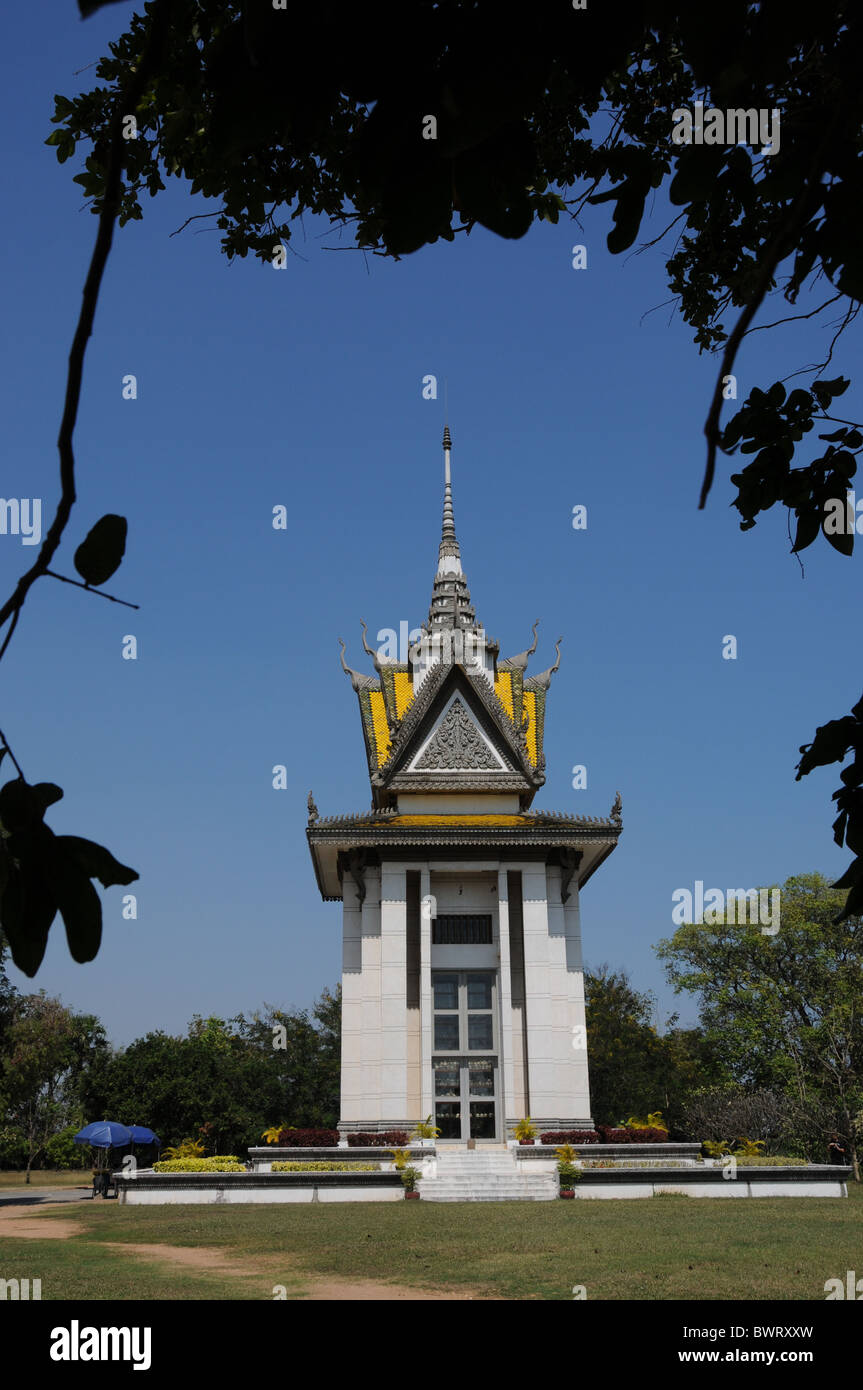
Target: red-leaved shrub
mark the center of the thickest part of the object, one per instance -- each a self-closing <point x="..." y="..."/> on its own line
<point x="649" y="1136"/>
<point x="612" y="1134"/>
<point x="569" y="1136"/>
<point x="395" y="1137"/>
<point x="308" y="1138"/>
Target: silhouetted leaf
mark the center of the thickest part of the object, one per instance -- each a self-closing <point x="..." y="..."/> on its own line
<point x="79" y="906"/>
<point x="101" y="552"/>
<point x="44" y="794"/>
<point x="27" y="909"/>
<point x="851" y="874"/>
<point x="96" y="861"/>
<point x="808" y="526"/>
<point x="843" y="541"/>
<point x="88" y="7"/>
<point x="830" y="744"/>
<point x="17" y="806"/>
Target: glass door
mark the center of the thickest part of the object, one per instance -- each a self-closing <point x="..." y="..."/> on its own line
<point x="464" y="1060"/>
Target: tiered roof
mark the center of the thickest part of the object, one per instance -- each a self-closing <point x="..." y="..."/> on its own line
<point x="506" y="705"/>
<point x="454" y="719"/>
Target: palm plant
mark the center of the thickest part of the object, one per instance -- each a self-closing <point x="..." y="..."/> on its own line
<point x="187" y="1148"/>
<point x="749" y="1148"/>
<point x="424" y="1129"/>
<point x="272" y="1134"/>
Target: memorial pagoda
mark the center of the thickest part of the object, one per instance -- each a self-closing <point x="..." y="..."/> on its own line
<point x="462" y="976"/>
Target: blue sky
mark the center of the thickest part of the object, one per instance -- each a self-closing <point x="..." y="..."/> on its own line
<point x="303" y="387"/>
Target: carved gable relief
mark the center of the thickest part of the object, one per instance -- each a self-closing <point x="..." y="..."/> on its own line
<point x="457" y="744"/>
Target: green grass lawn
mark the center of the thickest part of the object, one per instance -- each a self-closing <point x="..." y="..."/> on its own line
<point x="47" y="1177"/>
<point x="653" y="1248"/>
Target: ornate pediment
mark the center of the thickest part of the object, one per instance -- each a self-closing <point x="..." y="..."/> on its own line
<point x="457" y="744"/>
<point x="457" y="736"/>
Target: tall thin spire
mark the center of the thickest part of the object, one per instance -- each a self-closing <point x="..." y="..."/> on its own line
<point x="448" y="542"/>
<point x="450" y="605"/>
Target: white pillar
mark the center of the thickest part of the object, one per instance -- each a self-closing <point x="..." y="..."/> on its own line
<point x="426" y="1010"/>
<point x="350" y="1108"/>
<point x="541" y="1070"/>
<point x="393" y="1001"/>
<point x="370" y="1038"/>
<point x="577" y="1016"/>
<point x="507" y="1072"/>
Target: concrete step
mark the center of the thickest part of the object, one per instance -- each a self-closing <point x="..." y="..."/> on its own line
<point x="489" y="1196"/>
<point x="486" y="1177"/>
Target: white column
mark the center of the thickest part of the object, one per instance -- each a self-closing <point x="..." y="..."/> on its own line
<point x="393" y="1003"/>
<point x="350" y="1108"/>
<point x="541" y="1069"/>
<point x="426" y="1010"/>
<point x="507" y="1073"/>
<point x="577" y="1019"/>
<point x="370" y="1040"/>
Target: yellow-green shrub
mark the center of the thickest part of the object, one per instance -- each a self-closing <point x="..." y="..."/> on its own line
<point x="187" y="1148"/>
<point x="326" y="1167"/>
<point x="219" y="1163"/>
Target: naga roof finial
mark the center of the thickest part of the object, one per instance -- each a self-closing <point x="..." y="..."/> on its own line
<point x="358" y="680"/>
<point x="543" y="680"/>
<point x="370" y="651"/>
<point x="519" y="662"/>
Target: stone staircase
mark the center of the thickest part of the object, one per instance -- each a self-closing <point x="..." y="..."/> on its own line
<point x="483" y="1176"/>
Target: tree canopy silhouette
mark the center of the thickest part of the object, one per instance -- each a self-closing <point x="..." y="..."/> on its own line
<point x="407" y="125"/>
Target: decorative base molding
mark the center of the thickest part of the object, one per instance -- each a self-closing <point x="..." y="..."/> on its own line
<point x="346" y="1127"/>
<point x="544" y="1124"/>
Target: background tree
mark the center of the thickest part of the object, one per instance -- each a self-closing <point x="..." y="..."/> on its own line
<point x="46" y="1049"/>
<point x="780" y="1120"/>
<point x="225" y="1082"/>
<point x="634" y="1069"/>
<point x="276" y="112"/>
<point x="307" y="1070"/>
<point x="784" y="1011"/>
<point x="177" y="1085"/>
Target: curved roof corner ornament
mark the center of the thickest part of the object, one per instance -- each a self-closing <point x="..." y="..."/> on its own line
<point x="370" y="651"/>
<point x="519" y="662"/>
<point x="358" y="680"/>
<point x="543" y="680"/>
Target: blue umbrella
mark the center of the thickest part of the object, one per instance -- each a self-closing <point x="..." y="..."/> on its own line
<point x="104" y="1134"/>
<point x="141" y="1135"/>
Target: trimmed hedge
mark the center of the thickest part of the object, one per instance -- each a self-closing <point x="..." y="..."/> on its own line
<point x="219" y="1163"/>
<point x="387" y="1138"/>
<point x="605" y="1134"/>
<point x="627" y="1134"/>
<point x="569" y="1136"/>
<point x="308" y="1138"/>
<point x="326" y="1167"/>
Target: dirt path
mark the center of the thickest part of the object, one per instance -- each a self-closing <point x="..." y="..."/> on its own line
<point x="214" y="1260"/>
<point x="311" y="1287"/>
<point x="24" y="1223"/>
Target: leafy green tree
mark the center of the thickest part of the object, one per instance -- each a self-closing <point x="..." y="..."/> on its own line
<point x="177" y="1085"/>
<point x="226" y="1081"/>
<point x="634" y="1069"/>
<point x="784" y="1011"/>
<point x="46" y="1049"/>
<point x="304" y="1053"/>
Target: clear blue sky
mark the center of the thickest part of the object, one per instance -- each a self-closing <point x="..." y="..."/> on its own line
<point x="303" y="387"/>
